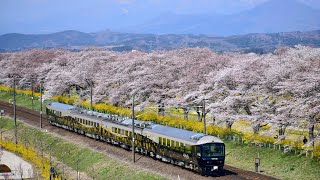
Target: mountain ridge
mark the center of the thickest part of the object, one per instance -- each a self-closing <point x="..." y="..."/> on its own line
<point x="71" y="39"/>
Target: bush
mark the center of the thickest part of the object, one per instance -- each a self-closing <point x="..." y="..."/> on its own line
<point x="29" y="154"/>
<point x="316" y="152"/>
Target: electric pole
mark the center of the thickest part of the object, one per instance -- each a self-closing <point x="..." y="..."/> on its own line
<point x="40" y="104"/>
<point x="133" y="153"/>
<point x="78" y="173"/>
<point x="32" y="89"/>
<point x="204" y="116"/>
<point x="91" y="84"/>
<point x="50" y="169"/>
<point x="14" y="110"/>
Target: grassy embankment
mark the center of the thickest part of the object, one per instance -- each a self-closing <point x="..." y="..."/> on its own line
<point x="273" y="163"/>
<point x="95" y="164"/>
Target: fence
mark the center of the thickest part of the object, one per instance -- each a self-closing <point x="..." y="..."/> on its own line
<point x="275" y="146"/>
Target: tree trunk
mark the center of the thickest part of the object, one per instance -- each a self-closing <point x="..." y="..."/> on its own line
<point x="161" y="109"/>
<point x="186" y="112"/>
<point x="282" y="129"/>
<point x="229" y="124"/>
<point x="256" y="128"/>
<point x="311" y="134"/>
<point x="199" y="114"/>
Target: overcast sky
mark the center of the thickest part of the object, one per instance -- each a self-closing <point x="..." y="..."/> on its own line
<point x="47" y="16"/>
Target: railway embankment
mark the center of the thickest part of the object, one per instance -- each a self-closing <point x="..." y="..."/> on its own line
<point x="70" y="159"/>
<point x="274" y="163"/>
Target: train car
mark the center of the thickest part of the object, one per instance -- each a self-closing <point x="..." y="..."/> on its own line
<point x="199" y="152"/>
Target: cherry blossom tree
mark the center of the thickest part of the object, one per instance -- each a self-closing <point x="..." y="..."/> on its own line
<point x="278" y="88"/>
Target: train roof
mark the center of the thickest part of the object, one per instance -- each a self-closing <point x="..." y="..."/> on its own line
<point x="190" y="136"/>
<point x="193" y="138"/>
<point x="61" y="106"/>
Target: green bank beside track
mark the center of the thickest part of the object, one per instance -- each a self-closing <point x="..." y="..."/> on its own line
<point x="94" y="164"/>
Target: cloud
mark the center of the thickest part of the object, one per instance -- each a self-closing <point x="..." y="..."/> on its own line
<point x="124" y="11"/>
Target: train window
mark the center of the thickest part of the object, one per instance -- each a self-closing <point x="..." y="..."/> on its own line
<point x="121" y="132"/>
<point x="127" y="133"/>
<point x="160" y="140"/>
<point x="98" y="124"/>
<point x="130" y="134"/>
<point x="172" y="143"/>
<point x="168" y="142"/>
<point x="164" y="141"/>
<point x="118" y="130"/>
<point x="182" y="146"/>
<point x="113" y="129"/>
<point x="177" y="144"/>
<point x="188" y="148"/>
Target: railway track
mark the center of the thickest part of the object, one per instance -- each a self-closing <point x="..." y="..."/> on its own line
<point x="168" y="170"/>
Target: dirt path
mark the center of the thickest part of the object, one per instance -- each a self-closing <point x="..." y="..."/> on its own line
<point x="168" y="170"/>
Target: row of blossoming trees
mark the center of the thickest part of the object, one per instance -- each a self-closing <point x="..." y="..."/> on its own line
<point x="280" y="88"/>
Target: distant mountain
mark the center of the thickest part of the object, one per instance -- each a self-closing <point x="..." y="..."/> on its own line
<point x="258" y="42"/>
<point x="16" y="41"/>
<point x="271" y="16"/>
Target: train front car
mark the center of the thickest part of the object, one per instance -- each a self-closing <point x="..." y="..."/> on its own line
<point x="210" y="155"/>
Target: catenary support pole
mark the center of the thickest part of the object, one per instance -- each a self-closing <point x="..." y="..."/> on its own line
<point x="32" y="89"/>
<point x="40" y="104"/>
<point x="14" y="110"/>
<point x="204" y="117"/>
<point x="133" y="148"/>
<point x="91" y="96"/>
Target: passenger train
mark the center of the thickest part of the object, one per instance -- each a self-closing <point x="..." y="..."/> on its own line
<point x="199" y="152"/>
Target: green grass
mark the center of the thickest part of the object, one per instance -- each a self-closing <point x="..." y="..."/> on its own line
<point x="6" y="123"/>
<point x="104" y="166"/>
<point x="24" y="100"/>
<point x="273" y="163"/>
